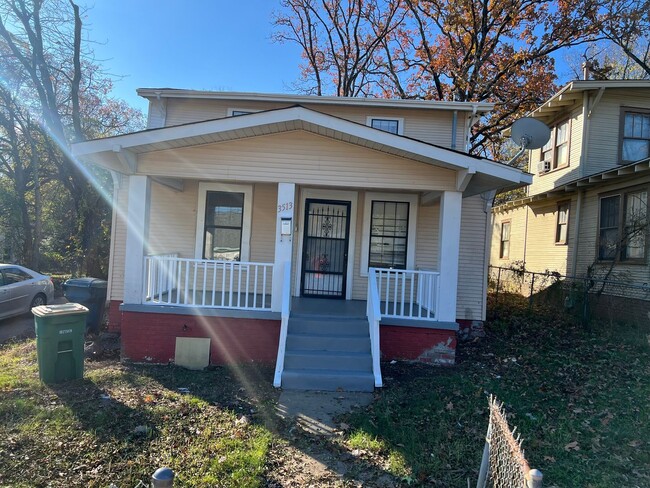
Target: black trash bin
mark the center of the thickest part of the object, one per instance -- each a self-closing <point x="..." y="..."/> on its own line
<point x="90" y="292"/>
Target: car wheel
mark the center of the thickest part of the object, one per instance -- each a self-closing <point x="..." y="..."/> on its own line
<point x="38" y="300"/>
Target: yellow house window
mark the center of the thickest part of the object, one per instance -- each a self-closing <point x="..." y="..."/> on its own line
<point x="562" y="227"/>
<point x="504" y="249"/>
<point x="556" y="151"/>
<point x="635" y="140"/>
<point x="623" y="226"/>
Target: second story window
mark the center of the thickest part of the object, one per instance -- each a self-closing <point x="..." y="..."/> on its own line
<point x="635" y="141"/>
<point x="394" y="126"/>
<point x="555" y="153"/>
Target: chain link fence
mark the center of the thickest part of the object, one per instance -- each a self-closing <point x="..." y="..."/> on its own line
<point x="504" y="464"/>
<point x="583" y="297"/>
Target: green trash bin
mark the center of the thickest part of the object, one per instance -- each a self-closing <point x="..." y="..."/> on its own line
<point x="91" y="293"/>
<point x="60" y="333"/>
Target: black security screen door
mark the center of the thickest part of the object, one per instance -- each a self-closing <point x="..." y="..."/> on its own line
<point x="325" y="248"/>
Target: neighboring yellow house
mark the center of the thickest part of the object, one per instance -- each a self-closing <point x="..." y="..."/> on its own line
<point x="286" y="229"/>
<point x="588" y="201"/>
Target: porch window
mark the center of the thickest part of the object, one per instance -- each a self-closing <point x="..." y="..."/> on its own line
<point x="224" y="222"/>
<point x="387" y="124"/>
<point x="389" y="234"/>
<point x="504" y="249"/>
<point x="224" y="213"/>
<point x="389" y="231"/>
<point x="561" y="230"/>
<point x="623" y="226"/>
<point x="635" y="141"/>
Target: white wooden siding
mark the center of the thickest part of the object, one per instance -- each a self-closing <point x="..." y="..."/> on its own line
<point x="299" y="157"/>
<point x="432" y="126"/>
<point x="472" y="260"/>
<point x="118" y="237"/>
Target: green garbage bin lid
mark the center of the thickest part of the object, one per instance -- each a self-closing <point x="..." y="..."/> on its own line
<point x="85" y="283"/>
<point x="63" y="309"/>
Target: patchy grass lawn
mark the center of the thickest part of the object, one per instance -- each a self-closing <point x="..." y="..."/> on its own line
<point x="580" y="400"/>
<point x="120" y="423"/>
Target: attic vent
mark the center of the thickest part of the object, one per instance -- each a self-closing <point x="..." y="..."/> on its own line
<point x="543" y="167"/>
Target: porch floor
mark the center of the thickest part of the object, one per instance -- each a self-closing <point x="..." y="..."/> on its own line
<point x="196" y="299"/>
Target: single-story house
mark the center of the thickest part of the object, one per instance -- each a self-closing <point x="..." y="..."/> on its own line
<point x="321" y="234"/>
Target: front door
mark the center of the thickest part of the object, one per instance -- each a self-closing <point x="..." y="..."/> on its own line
<point x="325" y="248"/>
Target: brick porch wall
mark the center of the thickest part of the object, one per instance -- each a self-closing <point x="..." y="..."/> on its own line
<point x="151" y="337"/>
<point x="114" y="316"/>
<point x="434" y="346"/>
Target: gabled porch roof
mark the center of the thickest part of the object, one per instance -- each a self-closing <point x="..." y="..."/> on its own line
<point x="475" y="174"/>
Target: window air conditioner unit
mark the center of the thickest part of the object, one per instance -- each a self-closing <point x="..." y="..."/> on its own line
<point x="543" y="167"/>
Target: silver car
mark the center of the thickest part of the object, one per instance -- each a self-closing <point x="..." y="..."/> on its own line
<point x="21" y="289"/>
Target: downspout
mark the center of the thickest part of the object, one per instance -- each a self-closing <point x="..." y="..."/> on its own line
<point x="574" y="258"/>
<point x="454" y="124"/>
<point x="488" y="199"/>
<point x="470" y="123"/>
<point x="526" y="235"/>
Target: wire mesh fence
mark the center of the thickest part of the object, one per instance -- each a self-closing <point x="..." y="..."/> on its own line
<point x="504" y="464"/>
<point x="582" y="297"/>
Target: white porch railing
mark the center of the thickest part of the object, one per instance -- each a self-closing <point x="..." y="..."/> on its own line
<point x="201" y="283"/>
<point x="284" y="326"/>
<point x="374" y="316"/>
<point x="408" y="294"/>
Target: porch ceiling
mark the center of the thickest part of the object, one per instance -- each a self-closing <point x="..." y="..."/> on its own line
<point x="120" y="153"/>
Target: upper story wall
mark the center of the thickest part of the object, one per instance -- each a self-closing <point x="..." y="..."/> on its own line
<point x="597" y="150"/>
<point x="427" y="125"/>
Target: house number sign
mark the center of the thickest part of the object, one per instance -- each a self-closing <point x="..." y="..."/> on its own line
<point x="283" y="207"/>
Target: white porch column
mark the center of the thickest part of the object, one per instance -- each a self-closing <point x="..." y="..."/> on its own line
<point x="449" y="249"/>
<point x="137" y="229"/>
<point x="283" y="243"/>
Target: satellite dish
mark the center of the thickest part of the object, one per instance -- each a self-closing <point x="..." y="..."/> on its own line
<point x="529" y="133"/>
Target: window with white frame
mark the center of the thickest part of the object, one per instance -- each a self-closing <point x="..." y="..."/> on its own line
<point x="504" y="248"/>
<point x="223" y="222"/>
<point x="623" y="226"/>
<point x="562" y="227"/>
<point x="387" y="124"/>
<point x="556" y="151"/>
<point x="389" y="231"/>
<point x="635" y="137"/>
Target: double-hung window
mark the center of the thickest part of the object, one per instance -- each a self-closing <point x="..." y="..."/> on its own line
<point x="389" y="225"/>
<point x="223" y="222"/>
<point x="504" y="248"/>
<point x="635" y="137"/>
<point x="389" y="231"/>
<point x="623" y="226"/>
<point x="556" y="151"/>
<point x="562" y="227"/>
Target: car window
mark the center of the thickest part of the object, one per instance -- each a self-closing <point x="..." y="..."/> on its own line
<point x="2" y="279"/>
<point x="15" y="275"/>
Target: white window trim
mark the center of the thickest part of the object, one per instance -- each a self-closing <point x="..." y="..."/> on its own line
<point x="235" y="109"/>
<point x="400" y="123"/>
<point x="247" y="190"/>
<point x="349" y="196"/>
<point x="412" y="200"/>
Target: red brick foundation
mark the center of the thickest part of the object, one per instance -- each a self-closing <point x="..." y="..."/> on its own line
<point x="434" y="346"/>
<point x="114" y="316"/>
<point x="469" y="329"/>
<point x="151" y="337"/>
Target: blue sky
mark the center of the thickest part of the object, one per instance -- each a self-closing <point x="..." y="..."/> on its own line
<point x="196" y="44"/>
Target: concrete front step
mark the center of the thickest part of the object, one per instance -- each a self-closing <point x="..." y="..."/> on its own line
<point x="338" y="327"/>
<point x="327" y="380"/>
<point x="328" y="360"/>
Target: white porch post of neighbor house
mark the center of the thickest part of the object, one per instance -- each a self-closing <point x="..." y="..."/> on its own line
<point x="449" y="248"/>
<point x="137" y="226"/>
<point x="283" y="239"/>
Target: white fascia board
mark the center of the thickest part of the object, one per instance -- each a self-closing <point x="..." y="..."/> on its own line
<point x="481" y="107"/>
